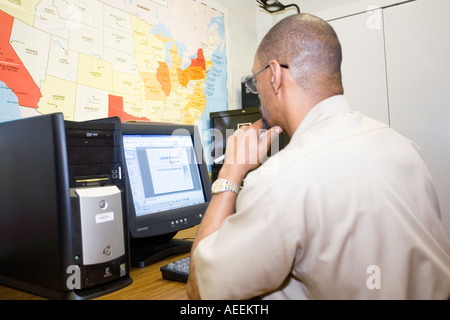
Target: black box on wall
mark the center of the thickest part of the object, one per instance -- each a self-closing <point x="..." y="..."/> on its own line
<point x="249" y="100"/>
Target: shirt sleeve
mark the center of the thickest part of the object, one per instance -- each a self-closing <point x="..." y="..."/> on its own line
<point x="253" y="252"/>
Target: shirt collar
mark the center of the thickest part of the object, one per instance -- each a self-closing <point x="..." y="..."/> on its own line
<point x="322" y="111"/>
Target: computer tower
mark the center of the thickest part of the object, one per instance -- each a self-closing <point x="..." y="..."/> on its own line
<point x="63" y="232"/>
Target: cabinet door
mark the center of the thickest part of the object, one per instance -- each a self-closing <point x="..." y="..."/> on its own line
<point x="418" y="65"/>
<point x="363" y="66"/>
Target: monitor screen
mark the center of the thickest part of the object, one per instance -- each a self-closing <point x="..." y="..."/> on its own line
<point x="169" y="186"/>
<point x="163" y="172"/>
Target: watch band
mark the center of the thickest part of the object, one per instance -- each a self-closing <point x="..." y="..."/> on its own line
<point x="230" y="186"/>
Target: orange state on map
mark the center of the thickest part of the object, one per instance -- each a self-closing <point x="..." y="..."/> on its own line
<point x="197" y="68"/>
<point x="195" y="71"/>
<point x="163" y="76"/>
<point x="183" y="77"/>
<point x="13" y="73"/>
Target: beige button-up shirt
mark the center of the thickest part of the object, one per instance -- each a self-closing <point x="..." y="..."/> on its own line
<point x="346" y="211"/>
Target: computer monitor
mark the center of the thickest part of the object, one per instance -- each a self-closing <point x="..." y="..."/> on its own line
<point x="169" y="187"/>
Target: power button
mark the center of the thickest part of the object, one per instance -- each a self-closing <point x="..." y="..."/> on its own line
<point x="103" y="204"/>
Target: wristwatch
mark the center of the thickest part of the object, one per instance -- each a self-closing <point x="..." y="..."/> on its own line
<point x="222" y="185"/>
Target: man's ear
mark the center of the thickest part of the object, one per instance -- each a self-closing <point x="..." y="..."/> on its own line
<point x="277" y="76"/>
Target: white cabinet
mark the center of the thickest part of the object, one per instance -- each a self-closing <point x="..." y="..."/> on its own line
<point x="398" y="72"/>
<point x="417" y="38"/>
<point x="363" y="64"/>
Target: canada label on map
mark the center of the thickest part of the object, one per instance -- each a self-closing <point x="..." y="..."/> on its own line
<point x="145" y="60"/>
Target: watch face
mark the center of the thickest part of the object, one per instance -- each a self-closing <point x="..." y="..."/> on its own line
<point x="217" y="186"/>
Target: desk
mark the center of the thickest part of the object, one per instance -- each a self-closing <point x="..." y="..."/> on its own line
<point x="147" y="283"/>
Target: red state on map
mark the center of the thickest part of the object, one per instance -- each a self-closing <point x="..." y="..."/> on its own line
<point x="116" y="110"/>
<point x="200" y="60"/>
<point x="13" y="73"/>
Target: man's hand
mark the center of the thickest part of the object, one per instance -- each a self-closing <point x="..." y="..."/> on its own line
<point x="246" y="149"/>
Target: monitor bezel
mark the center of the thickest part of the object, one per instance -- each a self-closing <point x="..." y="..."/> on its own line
<point x="167" y="222"/>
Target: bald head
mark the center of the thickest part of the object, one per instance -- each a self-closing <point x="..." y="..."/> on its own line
<point x="312" y="50"/>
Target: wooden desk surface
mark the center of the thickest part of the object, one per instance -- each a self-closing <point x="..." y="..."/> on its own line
<point x="148" y="283"/>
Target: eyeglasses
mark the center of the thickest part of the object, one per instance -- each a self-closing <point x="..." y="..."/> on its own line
<point x="250" y="82"/>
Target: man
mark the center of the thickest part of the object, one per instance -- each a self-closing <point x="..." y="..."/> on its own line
<point x="346" y="211"/>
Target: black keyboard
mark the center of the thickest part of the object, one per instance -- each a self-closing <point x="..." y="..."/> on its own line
<point x="176" y="271"/>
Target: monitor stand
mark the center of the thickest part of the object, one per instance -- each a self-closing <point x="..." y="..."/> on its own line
<point x="145" y="252"/>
